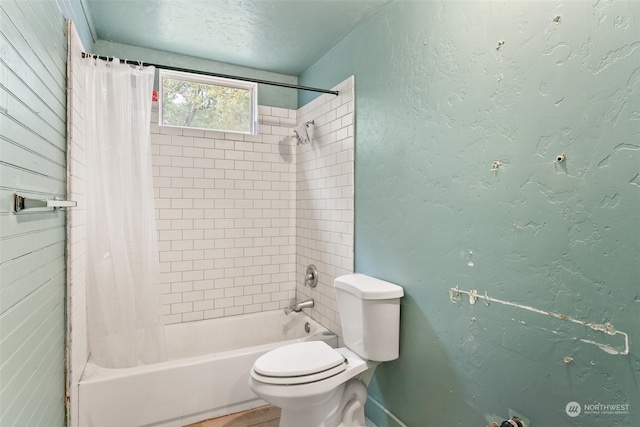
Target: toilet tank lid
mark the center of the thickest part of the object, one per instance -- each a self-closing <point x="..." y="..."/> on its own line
<point x="367" y="287"/>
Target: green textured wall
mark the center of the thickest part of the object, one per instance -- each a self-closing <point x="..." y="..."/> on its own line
<point x="438" y="99"/>
<point x="272" y="96"/>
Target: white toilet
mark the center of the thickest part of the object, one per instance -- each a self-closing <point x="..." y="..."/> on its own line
<point x="316" y="385"/>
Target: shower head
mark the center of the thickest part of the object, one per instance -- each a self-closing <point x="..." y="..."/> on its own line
<point x="302" y="136"/>
<point x="302" y="132"/>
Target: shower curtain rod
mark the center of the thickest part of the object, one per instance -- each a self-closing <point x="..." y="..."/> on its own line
<point x="207" y="73"/>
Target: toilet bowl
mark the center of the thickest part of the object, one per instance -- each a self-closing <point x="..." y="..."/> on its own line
<point x="312" y="383"/>
<point x="317" y="385"/>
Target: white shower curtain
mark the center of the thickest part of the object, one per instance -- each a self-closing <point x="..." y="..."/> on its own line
<point x="123" y="308"/>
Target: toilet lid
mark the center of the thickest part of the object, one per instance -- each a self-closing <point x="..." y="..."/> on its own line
<point x="300" y="359"/>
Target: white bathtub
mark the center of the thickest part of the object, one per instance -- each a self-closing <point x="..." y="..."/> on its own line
<point x="206" y="376"/>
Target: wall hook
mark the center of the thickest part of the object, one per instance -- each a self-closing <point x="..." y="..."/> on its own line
<point x="473" y="296"/>
<point x="561" y="158"/>
<point x="455" y="295"/>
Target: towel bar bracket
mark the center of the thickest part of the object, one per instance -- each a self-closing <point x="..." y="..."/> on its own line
<point x="21" y="203"/>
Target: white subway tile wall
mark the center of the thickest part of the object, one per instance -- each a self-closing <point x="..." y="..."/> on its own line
<point x="324" y="199"/>
<point x="226" y="218"/>
<point x="240" y="217"/>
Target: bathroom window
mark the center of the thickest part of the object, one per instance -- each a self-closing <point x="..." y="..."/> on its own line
<point x="210" y="103"/>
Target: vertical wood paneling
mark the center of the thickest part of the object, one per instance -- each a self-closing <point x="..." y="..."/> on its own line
<point x="32" y="260"/>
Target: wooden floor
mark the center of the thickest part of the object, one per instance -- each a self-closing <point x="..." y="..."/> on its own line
<point x="264" y="416"/>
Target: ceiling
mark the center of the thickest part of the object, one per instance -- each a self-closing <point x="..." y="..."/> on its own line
<point x="275" y="35"/>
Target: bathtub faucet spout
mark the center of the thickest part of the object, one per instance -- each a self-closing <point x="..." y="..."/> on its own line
<point x="298" y="306"/>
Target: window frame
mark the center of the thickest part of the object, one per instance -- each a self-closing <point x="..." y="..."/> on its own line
<point x="252" y="87"/>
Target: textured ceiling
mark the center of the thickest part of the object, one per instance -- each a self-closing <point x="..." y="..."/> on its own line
<point x="280" y="36"/>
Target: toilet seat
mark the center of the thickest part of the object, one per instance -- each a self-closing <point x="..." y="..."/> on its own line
<point x="299" y="363"/>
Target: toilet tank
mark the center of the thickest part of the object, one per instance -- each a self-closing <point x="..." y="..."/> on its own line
<point x="370" y="316"/>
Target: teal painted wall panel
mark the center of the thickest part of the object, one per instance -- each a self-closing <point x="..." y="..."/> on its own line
<point x="30" y="105"/>
<point x="438" y="99"/>
<point x="33" y="364"/>
<point x="23" y="64"/>
<point x="18" y="290"/>
<point x="32" y="259"/>
<point x="79" y="12"/>
<point x="31" y="159"/>
<point x="45" y="58"/>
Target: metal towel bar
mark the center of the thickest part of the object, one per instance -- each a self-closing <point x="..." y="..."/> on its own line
<point x="21" y="203"/>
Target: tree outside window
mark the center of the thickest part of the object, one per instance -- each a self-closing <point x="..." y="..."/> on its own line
<point x="212" y="103"/>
